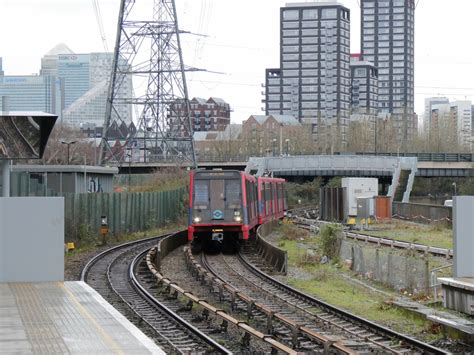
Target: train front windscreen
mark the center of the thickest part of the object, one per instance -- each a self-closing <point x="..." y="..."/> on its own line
<point x="217" y="197"/>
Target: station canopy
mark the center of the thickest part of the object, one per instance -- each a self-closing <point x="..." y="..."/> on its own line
<point x="24" y="134"/>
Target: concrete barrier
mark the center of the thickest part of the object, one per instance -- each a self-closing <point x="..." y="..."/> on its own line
<point x="422" y="213"/>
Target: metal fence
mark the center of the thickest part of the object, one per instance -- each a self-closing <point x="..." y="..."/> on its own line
<point x="126" y="212"/>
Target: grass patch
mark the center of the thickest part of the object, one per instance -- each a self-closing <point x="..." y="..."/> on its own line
<point x="93" y="244"/>
<point x="435" y="235"/>
<point x="327" y="282"/>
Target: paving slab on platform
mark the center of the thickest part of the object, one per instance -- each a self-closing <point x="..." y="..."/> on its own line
<point x="65" y="318"/>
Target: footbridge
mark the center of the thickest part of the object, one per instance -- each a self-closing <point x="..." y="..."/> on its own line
<point x="402" y="170"/>
<point x="429" y="165"/>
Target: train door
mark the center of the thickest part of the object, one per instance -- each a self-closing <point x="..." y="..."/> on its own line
<point x="217" y="199"/>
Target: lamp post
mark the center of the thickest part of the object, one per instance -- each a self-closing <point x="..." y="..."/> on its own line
<point x="287" y="141"/>
<point x="454" y="185"/>
<point x="68" y="145"/>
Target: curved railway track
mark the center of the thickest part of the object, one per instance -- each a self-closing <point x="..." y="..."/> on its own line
<point x="113" y="274"/>
<point x="312" y="224"/>
<point x="301" y="319"/>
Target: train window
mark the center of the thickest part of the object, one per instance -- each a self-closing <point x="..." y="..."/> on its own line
<point x="217" y="194"/>
<point x="201" y="194"/>
<point x="233" y="193"/>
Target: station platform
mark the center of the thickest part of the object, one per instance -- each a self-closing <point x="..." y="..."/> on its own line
<point x="65" y="318"/>
<point x="458" y="293"/>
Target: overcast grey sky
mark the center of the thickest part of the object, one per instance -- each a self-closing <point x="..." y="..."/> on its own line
<point x="242" y="40"/>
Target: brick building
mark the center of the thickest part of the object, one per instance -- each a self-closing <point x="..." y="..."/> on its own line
<point x="206" y="115"/>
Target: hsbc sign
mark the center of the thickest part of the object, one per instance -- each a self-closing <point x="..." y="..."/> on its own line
<point x="67" y="57"/>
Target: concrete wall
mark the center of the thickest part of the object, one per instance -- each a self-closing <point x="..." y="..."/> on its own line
<point x="31" y="239"/>
<point x="421" y="213"/>
<point x="390" y="267"/>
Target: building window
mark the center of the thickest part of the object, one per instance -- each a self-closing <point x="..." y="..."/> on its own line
<point x="289" y="33"/>
<point x="309" y="32"/>
<point x="291" y="40"/>
<point x="291" y="24"/>
<point x="360" y="72"/>
<point x="329" y="13"/>
<point x="289" y="49"/>
<point x="291" y="14"/>
<point x="291" y="65"/>
<point x="291" y="57"/>
<point x="306" y="24"/>
<point x="290" y="72"/>
<point x="309" y="40"/>
<point x="310" y="64"/>
<point x="310" y="14"/>
<point x="309" y="48"/>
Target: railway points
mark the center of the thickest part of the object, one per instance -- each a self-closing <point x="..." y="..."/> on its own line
<point x="69" y="317"/>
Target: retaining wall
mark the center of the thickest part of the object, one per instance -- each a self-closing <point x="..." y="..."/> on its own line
<point x="422" y="213"/>
<point x="390" y="267"/>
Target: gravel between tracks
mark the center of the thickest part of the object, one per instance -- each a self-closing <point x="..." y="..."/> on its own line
<point x="174" y="267"/>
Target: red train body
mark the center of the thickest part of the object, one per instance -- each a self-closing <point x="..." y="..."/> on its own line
<point x="225" y="206"/>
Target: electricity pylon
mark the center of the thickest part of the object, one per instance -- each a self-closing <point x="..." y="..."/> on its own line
<point x="148" y="51"/>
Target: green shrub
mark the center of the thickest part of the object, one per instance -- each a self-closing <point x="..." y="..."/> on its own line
<point x="330" y="239"/>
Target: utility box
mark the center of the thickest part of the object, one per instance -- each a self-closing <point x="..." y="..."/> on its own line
<point x="463" y="232"/>
<point x="383" y="207"/>
<point x="358" y="188"/>
<point x="365" y="207"/>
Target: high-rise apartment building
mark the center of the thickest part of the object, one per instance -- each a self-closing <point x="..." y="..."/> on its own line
<point x="1" y="67"/>
<point x="454" y="118"/>
<point x="387" y="40"/>
<point x="312" y="83"/>
<point x="364" y="89"/>
<point x="429" y="103"/>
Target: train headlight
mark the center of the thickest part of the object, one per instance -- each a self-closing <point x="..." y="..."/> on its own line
<point x="197" y="219"/>
<point x="237" y="217"/>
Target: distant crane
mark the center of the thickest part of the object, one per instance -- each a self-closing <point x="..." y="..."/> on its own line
<point x="148" y="51"/>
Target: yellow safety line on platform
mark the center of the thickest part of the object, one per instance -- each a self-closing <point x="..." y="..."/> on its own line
<point x="104" y="335"/>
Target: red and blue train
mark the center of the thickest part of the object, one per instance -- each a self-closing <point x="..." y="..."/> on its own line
<point x="226" y="207"/>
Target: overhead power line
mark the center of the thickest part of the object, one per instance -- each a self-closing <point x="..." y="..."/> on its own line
<point x="100" y="24"/>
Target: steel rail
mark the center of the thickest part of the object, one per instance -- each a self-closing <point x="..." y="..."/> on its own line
<point x="167" y="341"/>
<point x="91" y="262"/>
<point x="217" y="311"/>
<point x="389" y="242"/>
<point x="150" y="298"/>
<point x="379" y="329"/>
<point x="321" y="339"/>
